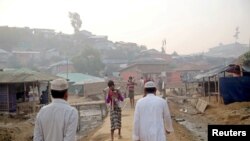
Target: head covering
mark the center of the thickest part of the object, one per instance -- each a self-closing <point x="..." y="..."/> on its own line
<point x="59" y="84"/>
<point x="150" y="84"/>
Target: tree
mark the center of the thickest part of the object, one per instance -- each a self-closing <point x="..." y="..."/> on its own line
<point x="175" y="53"/>
<point x="89" y="61"/>
<point x="76" y="21"/>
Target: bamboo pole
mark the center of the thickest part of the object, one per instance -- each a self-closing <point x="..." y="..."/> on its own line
<point x="102" y="115"/>
<point x="8" y="99"/>
<point x="215" y="88"/>
<point x="33" y="96"/>
<point x="241" y="71"/>
<point x="83" y="91"/>
<point x="203" y="86"/>
<point x="49" y="93"/>
<point x="186" y="88"/>
<point x="38" y="89"/>
<point x="209" y="94"/>
<point x="79" y="117"/>
<point x="219" y="91"/>
<point x="24" y="88"/>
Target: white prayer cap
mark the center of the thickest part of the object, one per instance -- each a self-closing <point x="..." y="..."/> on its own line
<point x="150" y="84"/>
<point x="59" y="84"/>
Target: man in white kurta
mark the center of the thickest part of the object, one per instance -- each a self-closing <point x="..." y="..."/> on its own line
<point x="58" y="120"/>
<point x="152" y="118"/>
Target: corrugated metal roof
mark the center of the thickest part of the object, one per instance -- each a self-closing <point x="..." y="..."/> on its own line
<point x="3" y="51"/>
<point x="150" y="61"/>
<point x="211" y="72"/>
<point x="64" y="62"/>
<point x="80" y="79"/>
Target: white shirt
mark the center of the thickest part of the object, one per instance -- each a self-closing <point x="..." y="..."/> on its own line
<point x="151" y="119"/>
<point x="56" y="122"/>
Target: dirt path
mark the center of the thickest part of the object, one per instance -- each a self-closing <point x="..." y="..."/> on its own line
<point x="235" y="113"/>
<point x="103" y="133"/>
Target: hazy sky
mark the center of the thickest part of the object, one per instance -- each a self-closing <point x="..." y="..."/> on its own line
<point x="188" y="25"/>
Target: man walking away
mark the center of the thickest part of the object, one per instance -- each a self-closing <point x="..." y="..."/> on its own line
<point x="152" y="119"/>
<point x="58" y="120"/>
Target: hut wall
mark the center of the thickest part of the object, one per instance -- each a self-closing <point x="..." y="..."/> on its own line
<point x="212" y="87"/>
<point x="235" y="89"/>
<point x="94" y="88"/>
<point x="4" y="98"/>
<point x="12" y="98"/>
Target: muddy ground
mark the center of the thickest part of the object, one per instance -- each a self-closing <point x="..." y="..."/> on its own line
<point x="189" y="124"/>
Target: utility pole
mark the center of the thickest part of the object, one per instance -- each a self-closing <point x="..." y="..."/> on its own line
<point x="163" y="48"/>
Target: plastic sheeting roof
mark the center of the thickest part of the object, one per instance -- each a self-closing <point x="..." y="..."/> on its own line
<point x="80" y="79"/>
<point x="24" y="75"/>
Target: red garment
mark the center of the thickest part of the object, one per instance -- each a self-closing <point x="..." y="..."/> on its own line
<point x="131" y="85"/>
<point x="113" y="94"/>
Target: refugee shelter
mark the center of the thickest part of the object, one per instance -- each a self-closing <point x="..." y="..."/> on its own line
<point x="231" y="83"/>
<point x="22" y="87"/>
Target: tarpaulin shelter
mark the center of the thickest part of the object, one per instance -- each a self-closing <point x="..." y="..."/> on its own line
<point x="235" y="89"/>
<point x="209" y="80"/>
<point x="212" y="80"/>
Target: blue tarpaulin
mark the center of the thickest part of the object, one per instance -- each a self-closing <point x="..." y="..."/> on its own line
<point x="235" y="89"/>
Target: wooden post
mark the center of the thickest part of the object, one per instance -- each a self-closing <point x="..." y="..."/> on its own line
<point x="33" y="101"/>
<point x="186" y="88"/>
<point x="209" y="94"/>
<point x="79" y="117"/>
<point x="215" y="88"/>
<point x="102" y="116"/>
<point x="49" y="93"/>
<point x="203" y="86"/>
<point x="8" y="99"/>
<point x="24" y="88"/>
<point x="38" y="88"/>
<point x="220" y="98"/>
<point x="241" y="70"/>
<point x="83" y="91"/>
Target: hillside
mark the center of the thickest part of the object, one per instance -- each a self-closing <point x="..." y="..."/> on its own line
<point x="233" y="50"/>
